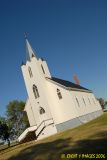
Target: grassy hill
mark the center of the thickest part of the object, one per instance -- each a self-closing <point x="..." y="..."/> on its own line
<point x="88" y="138"/>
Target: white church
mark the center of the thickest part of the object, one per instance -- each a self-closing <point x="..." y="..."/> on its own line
<point x="53" y="104"/>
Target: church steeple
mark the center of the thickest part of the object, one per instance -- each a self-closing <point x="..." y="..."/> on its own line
<point x="29" y="50"/>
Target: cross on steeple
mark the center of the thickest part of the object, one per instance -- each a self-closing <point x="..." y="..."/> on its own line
<point x="25" y="34"/>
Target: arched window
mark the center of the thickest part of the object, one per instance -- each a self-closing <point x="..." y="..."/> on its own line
<point x="41" y="111"/>
<point x="77" y="102"/>
<point x="30" y="72"/>
<point x="84" y="101"/>
<point x="59" y="94"/>
<point x="89" y="100"/>
<point x="42" y="69"/>
<point x="35" y="91"/>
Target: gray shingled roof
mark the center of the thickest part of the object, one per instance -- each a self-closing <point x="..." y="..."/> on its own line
<point x="69" y="84"/>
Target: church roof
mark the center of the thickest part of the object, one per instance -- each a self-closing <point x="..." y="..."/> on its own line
<point x="69" y="85"/>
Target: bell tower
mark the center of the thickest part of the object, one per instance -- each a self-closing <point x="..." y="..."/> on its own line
<point x="35" y="71"/>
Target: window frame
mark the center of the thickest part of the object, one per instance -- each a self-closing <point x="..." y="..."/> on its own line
<point x="30" y="72"/>
<point x="89" y="100"/>
<point x="59" y="93"/>
<point x="77" y="102"/>
<point x="41" y="110"/>
<point x="42" y="69"/>
<point x="84" y="101"/>
<point x="35" y="91"/>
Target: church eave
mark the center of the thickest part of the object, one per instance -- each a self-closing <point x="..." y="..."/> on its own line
<point x="81" y="90"/>
<point x="68" y="88"/>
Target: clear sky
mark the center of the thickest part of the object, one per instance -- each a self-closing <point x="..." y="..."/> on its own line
<point x="70" y="34"/>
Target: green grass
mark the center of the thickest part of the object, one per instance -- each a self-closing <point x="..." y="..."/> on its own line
<point x="88" y="138"/>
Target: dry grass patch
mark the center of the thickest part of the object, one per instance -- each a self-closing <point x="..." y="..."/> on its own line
<point x="88" y="138"/>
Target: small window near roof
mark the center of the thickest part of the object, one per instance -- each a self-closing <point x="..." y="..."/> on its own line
<point x="30" y="72"/>
<point x="59" y="94"/>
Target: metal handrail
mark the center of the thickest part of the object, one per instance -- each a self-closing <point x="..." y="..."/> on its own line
<point x="39" y="126"/>
<point x="43" y="122"/>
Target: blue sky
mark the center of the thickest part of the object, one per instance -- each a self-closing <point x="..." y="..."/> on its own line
<point x="70" y="34"/>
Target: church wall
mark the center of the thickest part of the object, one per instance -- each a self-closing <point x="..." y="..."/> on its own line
<point x="30" y="114"/>
<point x="78" y="121"/>
<point x="67" y="110"/>
<point x="61" y="109"/>
<point x="39" y="80"/>
<point x="88" y="105"/>
<point x="73" y="109"/>
<point x="41" y="83"/>
<point x="64" y="110"/>
<point x="29" y="89"/>
<point x="46" y="72"/>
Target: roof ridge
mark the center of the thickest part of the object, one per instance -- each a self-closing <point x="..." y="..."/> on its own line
<point x="69" y="84"/>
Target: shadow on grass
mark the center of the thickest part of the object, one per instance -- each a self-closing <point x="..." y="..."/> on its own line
<point x="48" y="151"/>
<point x="95" y="144"/>
<point x="53" y="150"/>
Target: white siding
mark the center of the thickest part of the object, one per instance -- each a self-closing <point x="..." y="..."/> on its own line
<point x="62" y="109"/>
<point x="39" y="80"/>
<point x="91" y="106"/>
<point x="67" y="108"/>
<point x="30" y="114"/>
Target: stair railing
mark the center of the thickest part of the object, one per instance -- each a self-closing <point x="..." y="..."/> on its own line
<point x="44" y="125"/>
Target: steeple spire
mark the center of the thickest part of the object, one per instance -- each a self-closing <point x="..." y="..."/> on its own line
<point x="29" y="50"/>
